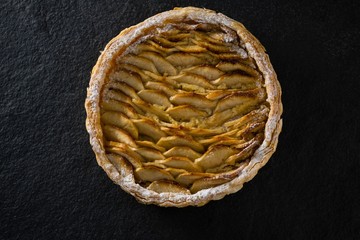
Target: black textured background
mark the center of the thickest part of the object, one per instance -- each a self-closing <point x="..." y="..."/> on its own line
<point x="52" y="188"/>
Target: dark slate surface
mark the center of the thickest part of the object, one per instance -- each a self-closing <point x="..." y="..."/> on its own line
<point x="52" y="188"/>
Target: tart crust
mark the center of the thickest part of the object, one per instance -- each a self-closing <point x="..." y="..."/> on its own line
<point x="121" y="171"/>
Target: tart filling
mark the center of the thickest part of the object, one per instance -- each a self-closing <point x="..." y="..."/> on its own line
<point x="183" y="109"/>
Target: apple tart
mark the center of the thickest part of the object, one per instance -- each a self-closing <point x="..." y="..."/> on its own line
<point x="183" y="108"/>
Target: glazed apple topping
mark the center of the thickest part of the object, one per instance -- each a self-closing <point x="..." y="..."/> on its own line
<point x="185" y="107"/>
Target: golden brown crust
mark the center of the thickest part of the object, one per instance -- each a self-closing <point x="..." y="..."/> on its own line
<point x="124" y="176"/>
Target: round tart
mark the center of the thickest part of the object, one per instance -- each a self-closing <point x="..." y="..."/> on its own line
<point x="183" y="108"/>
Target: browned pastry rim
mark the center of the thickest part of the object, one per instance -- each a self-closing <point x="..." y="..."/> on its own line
<point x="123" y="173"/>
